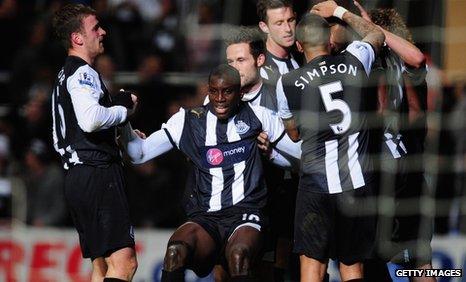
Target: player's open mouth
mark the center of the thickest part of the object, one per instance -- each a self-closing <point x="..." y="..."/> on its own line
<point x="221" y="109"/>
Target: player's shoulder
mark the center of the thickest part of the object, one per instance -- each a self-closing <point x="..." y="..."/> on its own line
<point x="81" y="73"/>
<point x="292" y="75"/>
<point x="261" y="111"/>
<point x="197" y="112"/>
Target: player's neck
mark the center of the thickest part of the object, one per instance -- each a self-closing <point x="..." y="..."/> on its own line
<point x="277" y="50"/>
<point x="252" y="88"/>
<point x="314" y="52"/>
<point x="83" y="55"/>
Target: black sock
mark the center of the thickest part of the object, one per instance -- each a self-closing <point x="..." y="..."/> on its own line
<point x="173" y="276"/>
<point x="278" y="274"/>
<point x="326" y="277"/>
<point x="243" y="278"/>
<point x="109" y="279"/>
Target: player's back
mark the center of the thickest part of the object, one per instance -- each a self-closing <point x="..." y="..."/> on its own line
<point x="330" y="102"/>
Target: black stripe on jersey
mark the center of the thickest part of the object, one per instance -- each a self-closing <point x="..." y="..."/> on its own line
<point x="228" y="171"/>
<point x="289" y="65"/>
<point x="170" y="138"/>
<point x="343" y="169"/>
<point x="278" y="139"/>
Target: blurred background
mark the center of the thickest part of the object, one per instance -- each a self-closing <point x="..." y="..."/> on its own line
<point x="163" y="50"/>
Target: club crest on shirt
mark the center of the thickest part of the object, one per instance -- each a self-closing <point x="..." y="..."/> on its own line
<point x="241" y="127"/>
<point x="87" y="79"/>
<point x="214" y="156"/>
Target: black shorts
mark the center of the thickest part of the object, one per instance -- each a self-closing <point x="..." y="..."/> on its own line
<point x="404" y="236"/>
<point x="412" y="232"/>
<point x="337" y="226"/>
<point x="97" y="202"/>
<point x="223" y="223"/>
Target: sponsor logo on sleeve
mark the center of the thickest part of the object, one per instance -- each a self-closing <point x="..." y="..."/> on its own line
<point x="86" y="79"/>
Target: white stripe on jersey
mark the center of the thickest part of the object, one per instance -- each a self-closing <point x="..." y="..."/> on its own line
<point x="215" y="202"/>
<point x="237" y="188"/>
<point x="283" y="67"/>
<point x="331" y="167"/>
<point x="61" y="151"/>
<point x="353" y="163"/>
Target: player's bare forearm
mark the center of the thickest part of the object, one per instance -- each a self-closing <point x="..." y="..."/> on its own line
<point x="291" y="129"/>
<point x="407" y="51"/>
<point x="368" y="31"/>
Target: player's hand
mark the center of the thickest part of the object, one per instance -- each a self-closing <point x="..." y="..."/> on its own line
<point x="123" y="98"/>
<point x="263" y="143"/>
<point x="139" y="133"/>
<point x="324" y="9"/>
<point x="132" y="110"/>
<point x="363" y="11"/>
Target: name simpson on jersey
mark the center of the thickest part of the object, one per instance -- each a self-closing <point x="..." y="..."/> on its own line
<point x="324" y="70"/>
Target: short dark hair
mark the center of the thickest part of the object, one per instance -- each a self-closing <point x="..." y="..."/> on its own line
<point x="312" y="30"/>
<point x="226" y="71"/>
<point x="264" y="5"/>
<point x="249" y="35"/>
<point x="68" y="20"/>
<point x="390" y="20"/>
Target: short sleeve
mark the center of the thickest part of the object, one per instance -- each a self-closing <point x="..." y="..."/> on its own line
<point x="364" y="52"/>
<point x="283" y="107"/>
<point x="174" y="127"/>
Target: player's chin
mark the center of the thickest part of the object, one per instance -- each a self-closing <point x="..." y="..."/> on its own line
<point x="223" y="115"/>
<point x="288" y="41"/>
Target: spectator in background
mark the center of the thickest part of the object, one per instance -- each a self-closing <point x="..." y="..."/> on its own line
<point x="5" y="184"/>
<point x="33" y="121"/>
<point x="106" y="67"/>
<point x="44" y="185"/>
<point x="203" y="40"/>
<point x="165" y="38"/>
<point x="152" y="95"/>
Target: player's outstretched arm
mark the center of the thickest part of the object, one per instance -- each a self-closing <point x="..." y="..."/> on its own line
<point x="369" y="32"/>
<point x="290" y="160"/>
<point x="407" y="51"/>
<point x="142" y="150"/>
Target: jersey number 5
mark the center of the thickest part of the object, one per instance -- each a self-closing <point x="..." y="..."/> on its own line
<point x="331" y="104"/>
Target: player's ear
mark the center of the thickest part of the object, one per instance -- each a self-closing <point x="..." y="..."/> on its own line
<point x="300" y="47"/>
<point x="77" y="38"/>
<point x="263" y="26"/>
<point x="260" y="60"/>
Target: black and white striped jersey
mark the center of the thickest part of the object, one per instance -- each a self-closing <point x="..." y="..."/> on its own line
<point x="274" y="67"/>
<point x="83" y="126"/>
<point x="265" y="96"/>
<point x="227" y="163"/>
<point x="329" y="100"/>
<point x="390" y="66"/>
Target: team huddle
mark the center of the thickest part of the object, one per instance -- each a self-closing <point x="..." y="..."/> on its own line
<point x="286" y="157"/>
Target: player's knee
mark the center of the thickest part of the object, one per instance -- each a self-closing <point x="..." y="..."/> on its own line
<point x="176" y="256"/>
<point x="239" y="260"/>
